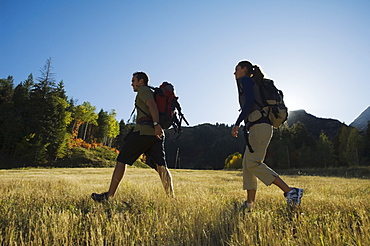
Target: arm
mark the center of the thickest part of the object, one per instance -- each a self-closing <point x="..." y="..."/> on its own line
<point x="155" y="116"/>
<point x="247" y="85"/>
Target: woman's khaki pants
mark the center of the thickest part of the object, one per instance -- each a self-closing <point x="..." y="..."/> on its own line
<point x="253" y="166"/>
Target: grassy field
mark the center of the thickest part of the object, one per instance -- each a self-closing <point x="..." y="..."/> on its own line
<point x="53" y="207"/>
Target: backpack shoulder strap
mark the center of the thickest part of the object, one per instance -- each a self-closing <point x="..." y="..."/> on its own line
<point x="258" y="94"/>
<point x="141" y="110"/>
<point x="136" y="106"/>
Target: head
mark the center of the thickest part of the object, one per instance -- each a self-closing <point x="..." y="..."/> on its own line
<point x="245" y="68"/>
<point x="139" y="79"/>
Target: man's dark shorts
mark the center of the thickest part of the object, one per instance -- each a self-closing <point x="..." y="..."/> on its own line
<point x="137" y="144"/>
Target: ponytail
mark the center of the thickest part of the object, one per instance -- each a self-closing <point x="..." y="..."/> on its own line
<point x="257" y="74"/>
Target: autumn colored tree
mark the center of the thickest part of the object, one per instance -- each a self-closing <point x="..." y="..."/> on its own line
<point x="83" y="114"/>
<point x="113" y="128"/>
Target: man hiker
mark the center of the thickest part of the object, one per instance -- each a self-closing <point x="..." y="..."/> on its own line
<point x="147" y="137"/>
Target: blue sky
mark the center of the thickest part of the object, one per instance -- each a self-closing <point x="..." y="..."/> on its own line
<point x="317" y="52"/>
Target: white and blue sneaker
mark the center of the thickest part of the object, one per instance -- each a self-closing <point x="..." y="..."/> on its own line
<point x="294" y="196"/>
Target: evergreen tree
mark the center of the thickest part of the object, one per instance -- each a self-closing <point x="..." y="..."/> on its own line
<point x="6" y="89"/>
<point x="300" y="136"/>
<point x="8" y="126"/>
<point x="60" y="91"/>
<point x="46" y="82"/>
<point x="103" y="126"/>
<point x="22" y="92"/>
<point x="325" y="151"/>
<point x="48" y="119"/>
<point x="280" y="148"/>
<point x="124" y="129"/>
<point x="8" y="119"/>
<point x="287" y="147"/>
<point x="354" y="147"/>
<point x="366" y="155"/>
<point x="21" y="100"/>
<point x="304" y="146"/>
<point x="342" y="145"/>
<point x="60" y="139"/>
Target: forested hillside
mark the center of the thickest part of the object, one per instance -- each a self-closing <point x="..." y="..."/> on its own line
<point x="204" y="146"/>
<point x="40" y="126"/>
<point x="207" y="146"/>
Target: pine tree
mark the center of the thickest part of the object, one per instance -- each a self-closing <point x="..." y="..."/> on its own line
<point x="326" y="150"/>
<point x="6" y="89"/>
<point x="354" y="147"/>
<point x="21" y="100"/>
<point x="366" y="157"/>
<point x="7" y="116"/>
<point x="103" y="126"/>
<point x="48" y="119"/>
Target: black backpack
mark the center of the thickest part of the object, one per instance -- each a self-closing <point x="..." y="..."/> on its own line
<point x="272" y="105"/>
<point x="269" y="103"/>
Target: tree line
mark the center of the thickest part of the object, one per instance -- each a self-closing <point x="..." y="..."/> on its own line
<point x="40" y="125"/>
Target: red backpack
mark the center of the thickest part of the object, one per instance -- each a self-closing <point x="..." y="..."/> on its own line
<point x="168" y="107"/>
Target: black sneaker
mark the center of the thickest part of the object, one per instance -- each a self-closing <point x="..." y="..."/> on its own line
<point x="100" y="197"/>
<point x="294" y="196"/>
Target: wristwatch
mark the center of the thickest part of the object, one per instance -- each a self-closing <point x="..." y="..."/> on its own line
<point x="155" y="123"/>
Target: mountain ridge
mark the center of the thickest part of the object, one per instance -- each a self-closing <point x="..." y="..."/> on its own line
<point x="315" y="124"/>
<point x="361" y="122"/>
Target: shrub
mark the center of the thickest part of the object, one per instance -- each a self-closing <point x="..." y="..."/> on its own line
<point x="82" y="157"/>
<point x="234" y="161"/>
<point x="95" y="157"/>
<point x="104" y="153"/>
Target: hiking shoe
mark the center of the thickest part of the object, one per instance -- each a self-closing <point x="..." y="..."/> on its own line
<point x="294" y="196"/>
<point x="246" y="206"/>
<point x="100" y="197"/>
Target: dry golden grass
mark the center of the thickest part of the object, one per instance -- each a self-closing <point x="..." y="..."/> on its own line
<point x="53" y="207"/>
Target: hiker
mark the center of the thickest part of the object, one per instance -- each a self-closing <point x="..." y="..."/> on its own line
<point x="260" y="133"/>
<point x="147" y="137"/>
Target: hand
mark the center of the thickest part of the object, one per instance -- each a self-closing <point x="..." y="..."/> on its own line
<point x="234" y="131"/>
<point x="158" y="131"/>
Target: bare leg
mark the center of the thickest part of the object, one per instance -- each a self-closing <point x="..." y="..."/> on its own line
<point x="117" y="176"/>
<point x="166" y="179"/>
<point x="251" y="196"/>
<point x="281" y="184"/>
